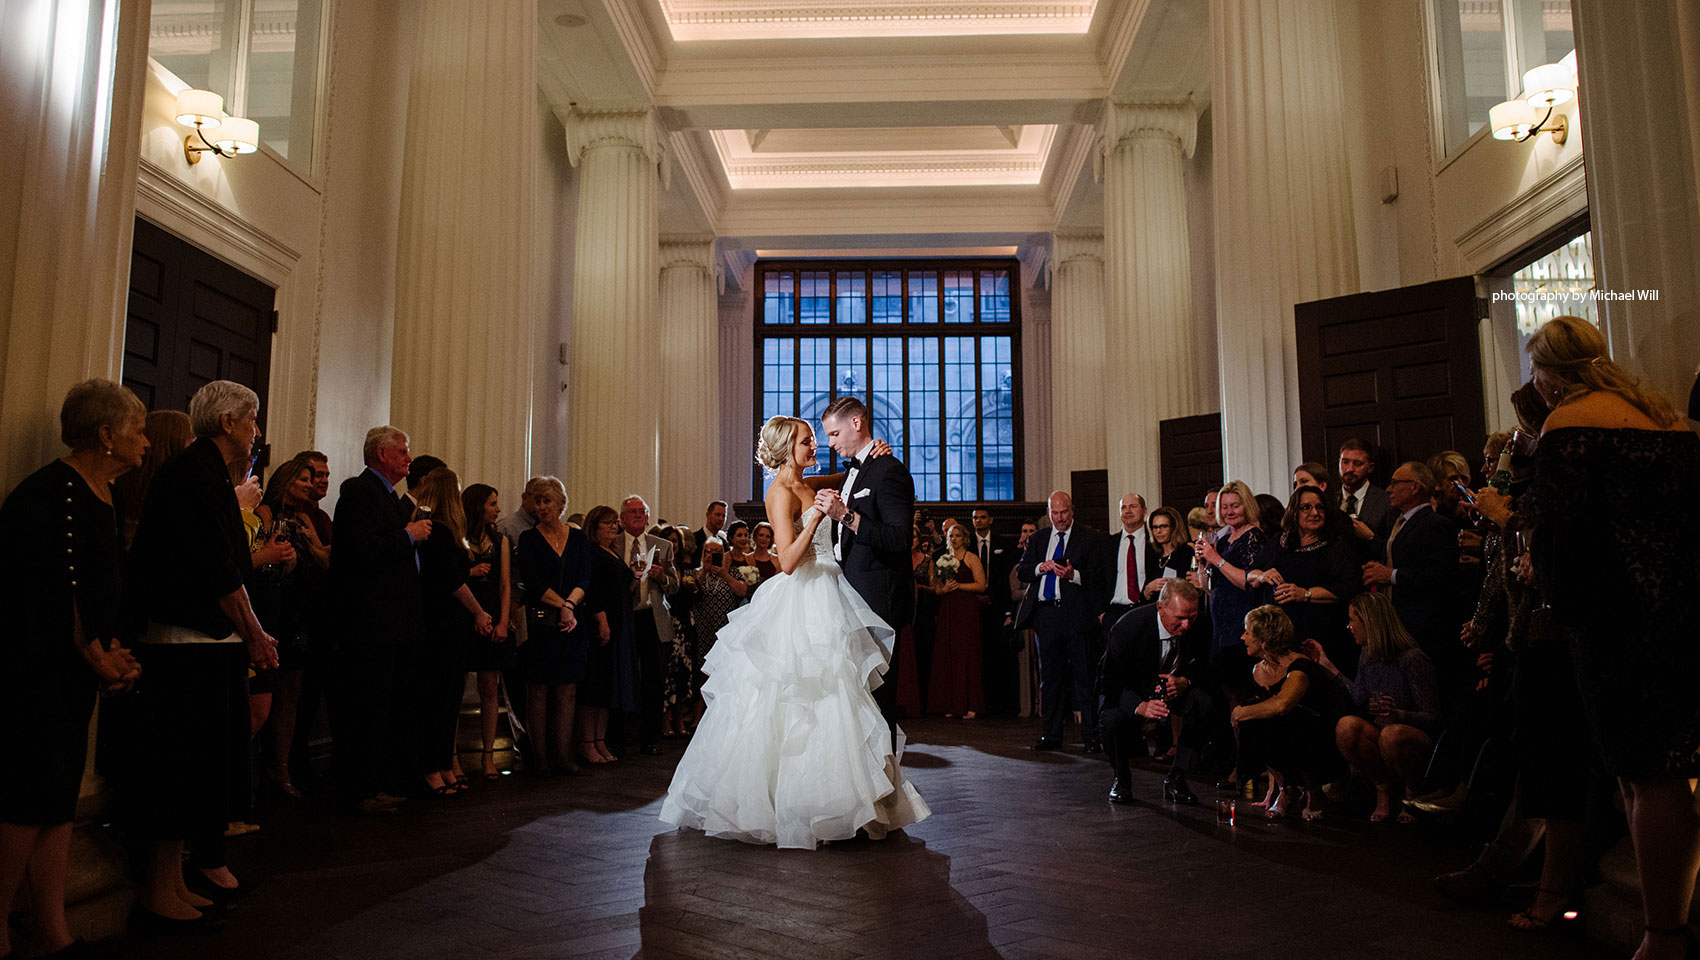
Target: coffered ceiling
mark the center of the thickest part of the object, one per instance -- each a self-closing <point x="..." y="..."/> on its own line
<point x="815" y="124"/>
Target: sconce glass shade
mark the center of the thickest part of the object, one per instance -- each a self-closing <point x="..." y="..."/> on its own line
<point x="1512" y="120"/>
<point x="1549" y="85"/>
<point x="237" y="135"/>
<point x="200" y="108"/>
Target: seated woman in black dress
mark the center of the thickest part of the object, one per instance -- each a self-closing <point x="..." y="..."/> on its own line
<point x="1315" y="572"/>
<point x="554" y="566"/>
<point x="491" y="583"/>
<point x="61" y="584"/>
<point x="1292" y="731"/>
<point x="453" y="621"/>
<point x="1613" y="527"/>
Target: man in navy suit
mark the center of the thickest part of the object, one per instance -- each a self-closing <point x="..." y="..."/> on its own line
<point x="374" y="582"/>
<point x="872" y="516"/>
<point x="1067" y="593"/>
<point x="1419" y="563"/>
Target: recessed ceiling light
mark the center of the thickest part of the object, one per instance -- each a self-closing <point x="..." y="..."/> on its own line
<point x="570" y="20"/>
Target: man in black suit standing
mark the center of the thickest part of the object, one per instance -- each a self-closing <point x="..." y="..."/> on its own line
<point x="1166" y="643"/>
<point x="374" y="579"/>
<point x="713" y="521"/>
<point x="872" y="519"/>
<point x="997" y="555"/>
<point x="1363" y="501"/>
<point x="1067" y="593"/>
<point x="1132" y="563"/>
<point x="1418" y="565"/>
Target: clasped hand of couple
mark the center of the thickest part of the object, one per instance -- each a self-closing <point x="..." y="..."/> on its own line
<point x="831" y="503"/>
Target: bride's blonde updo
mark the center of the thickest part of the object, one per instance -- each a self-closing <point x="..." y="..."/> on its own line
<point x="778" y="436"/>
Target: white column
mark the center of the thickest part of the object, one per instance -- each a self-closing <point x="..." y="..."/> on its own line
<point x="71" y="75"/>
<point x="690" y="395"/>
<point x="465" y="293"/>
<point x="614" y="407"/>
<point x="1077" y="357"/>
<point x="1639" y="65"/>
<point x="1284" y="231"/>
<point x="1151" y="371"/>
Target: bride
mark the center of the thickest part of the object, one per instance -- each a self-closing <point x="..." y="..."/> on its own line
<point x="792" y="748"/>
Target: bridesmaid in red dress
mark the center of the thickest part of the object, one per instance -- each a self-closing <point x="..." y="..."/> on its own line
<point x="955" y="687"/>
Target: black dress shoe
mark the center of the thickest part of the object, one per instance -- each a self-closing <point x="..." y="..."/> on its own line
<point x="1046" y="743"/>
<point x="1175" y="790"/>
<point x="1119" y="792"/>
<point x="1093" y="746"/>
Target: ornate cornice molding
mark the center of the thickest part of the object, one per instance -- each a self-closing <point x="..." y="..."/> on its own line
<point x="1023" y="164"/>
<point x="588" y="130"/>
<point x="757" y="19"/>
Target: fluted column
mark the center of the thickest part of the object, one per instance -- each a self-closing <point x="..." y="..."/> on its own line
<point x="614" y="407"/>
<point x="465" y="297"/>
<point x="1077" y="356"/>
<point x="71" y="75"/>
<point x="1151" y="372"/>
<point x="1284" y="232"/>
<point x="1639" y="66"/>
<point x="690" y="395"/>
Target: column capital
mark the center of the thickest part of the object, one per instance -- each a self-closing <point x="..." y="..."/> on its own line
<point x="1071" y="248"/>
<point x="692" y="253"/>
<point x="1123" y="120"/>
<point x="589" y="130"/>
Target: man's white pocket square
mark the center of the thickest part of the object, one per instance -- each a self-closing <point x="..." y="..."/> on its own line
<point x="859" y="494"/>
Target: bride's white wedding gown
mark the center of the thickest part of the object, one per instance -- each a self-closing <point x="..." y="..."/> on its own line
<point x="792" y="748"/>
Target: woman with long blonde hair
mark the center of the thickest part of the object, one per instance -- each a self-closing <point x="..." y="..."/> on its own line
<point x="452" y="619"/>
<point x="1624" y="584"/>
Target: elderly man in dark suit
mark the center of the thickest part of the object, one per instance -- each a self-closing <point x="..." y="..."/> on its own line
<point x="1155" y="666"/>
<point x="1067" y="592"/>
<point x="1419" y="561"/>
<point x="374" y="579"/>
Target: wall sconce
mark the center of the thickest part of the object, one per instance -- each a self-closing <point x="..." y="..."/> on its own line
<point x="1545" y="88"/>
<point x="204" y="111"/>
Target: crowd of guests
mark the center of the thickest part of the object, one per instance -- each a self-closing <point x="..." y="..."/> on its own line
<point x="1536" y="609"/>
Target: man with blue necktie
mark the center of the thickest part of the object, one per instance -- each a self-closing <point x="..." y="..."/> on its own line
<point x="1069" y="590"/>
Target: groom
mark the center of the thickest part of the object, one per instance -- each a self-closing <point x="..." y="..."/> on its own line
<point x="873" y="518"/>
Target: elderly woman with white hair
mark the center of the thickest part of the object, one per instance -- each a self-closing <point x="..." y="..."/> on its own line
<point x="188" y="565"/>
<point x="60" y="584"/>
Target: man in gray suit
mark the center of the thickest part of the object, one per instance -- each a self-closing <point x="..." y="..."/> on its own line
<point x="651" y="558"/>
<point x="1364" y="502"/>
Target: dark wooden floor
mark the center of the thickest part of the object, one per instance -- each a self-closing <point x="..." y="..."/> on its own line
<point x="1021" y="859"/>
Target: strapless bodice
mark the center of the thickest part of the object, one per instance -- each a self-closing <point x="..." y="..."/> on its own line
<point x="822" y="542"/>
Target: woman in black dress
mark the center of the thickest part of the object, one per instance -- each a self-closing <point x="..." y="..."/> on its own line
<point x="491" y="586"/>
<point x="285" y="513"/>
<point x="60" y="577"/>
<point x="1292" y="731"/>
<point x="554" y="566"/>
<point x="1624" y="584"/>
<point x="1315" y="572"/>
<point x="454" y="621"/>
<point x="610" y="681"/>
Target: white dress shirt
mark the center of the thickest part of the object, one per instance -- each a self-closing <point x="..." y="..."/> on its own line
<point x="1138" y="538"/>
<point x="849" y="487"/>
<point x="632" y="549"/>
<point x="1051" y="551"/>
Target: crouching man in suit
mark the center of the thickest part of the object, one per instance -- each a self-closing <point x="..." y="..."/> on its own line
<point x="1167" y="644"/>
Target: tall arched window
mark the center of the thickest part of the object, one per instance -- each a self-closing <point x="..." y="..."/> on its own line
<point x="932" y="347"/>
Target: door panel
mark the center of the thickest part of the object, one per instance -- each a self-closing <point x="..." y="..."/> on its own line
<point x="192" y="319"/>
<point x="1191" y="451"/>
<point x="1399" y="369"/>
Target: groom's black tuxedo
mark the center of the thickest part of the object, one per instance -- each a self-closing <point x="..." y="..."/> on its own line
<point x="876" y="558"/>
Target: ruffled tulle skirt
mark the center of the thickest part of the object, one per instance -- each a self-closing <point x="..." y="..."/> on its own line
<point x="792" y="749"/>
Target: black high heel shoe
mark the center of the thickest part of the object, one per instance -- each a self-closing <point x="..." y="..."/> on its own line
<point x="1526" y="921"/>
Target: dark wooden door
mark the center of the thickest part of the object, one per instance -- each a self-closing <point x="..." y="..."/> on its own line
<point x="192" y="319"/>
<point x="1191" y="450"/>
<point x="1091" y="492"/>
<point x="1400" y="369"/>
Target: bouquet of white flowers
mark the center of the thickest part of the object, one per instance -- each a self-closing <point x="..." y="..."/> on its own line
<point x="748" y="574"/>
<point x="947" y="565"/>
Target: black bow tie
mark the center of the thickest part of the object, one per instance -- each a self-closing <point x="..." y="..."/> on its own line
<point x="852" y="464"/>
